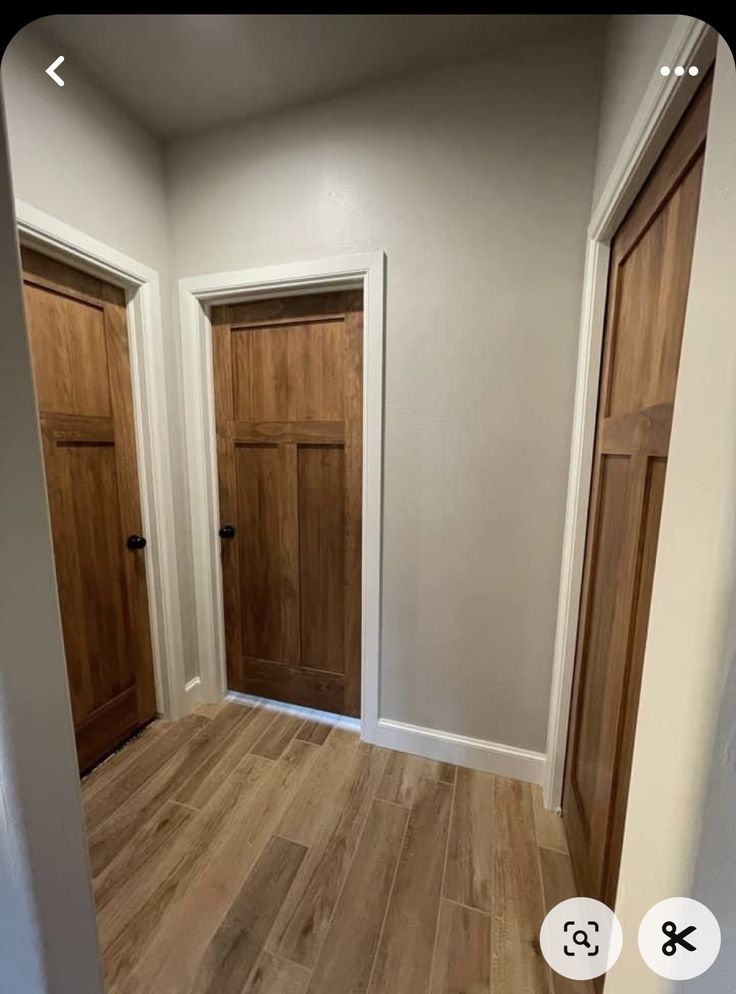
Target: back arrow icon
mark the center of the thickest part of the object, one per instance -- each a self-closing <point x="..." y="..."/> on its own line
<point x="55" y="65"/>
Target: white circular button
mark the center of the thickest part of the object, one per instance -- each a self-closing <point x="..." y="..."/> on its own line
<point x="679" y="938"/>
<point x="581" y="938"/>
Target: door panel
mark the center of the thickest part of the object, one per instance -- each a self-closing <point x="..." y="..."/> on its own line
<point x="610" y="526"/>
<point x="69" y="350"/>
<point x="280" y="373"/>
<point x="649" y="275"/>
<point x="646" y="349"/>
<point x="321" y="494"/>
<point x="266" y="538"/>
<point x="78" y="337"/>
<point x="288" y="403"/>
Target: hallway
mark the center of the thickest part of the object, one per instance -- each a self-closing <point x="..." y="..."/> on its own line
<point x="250" y="850"/>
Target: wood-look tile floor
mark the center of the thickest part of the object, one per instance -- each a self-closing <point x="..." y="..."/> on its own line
<point x="244" y="850"/>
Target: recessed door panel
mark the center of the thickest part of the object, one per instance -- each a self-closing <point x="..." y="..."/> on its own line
<point x="321" y="482"/>
<point x="267" y="548"/>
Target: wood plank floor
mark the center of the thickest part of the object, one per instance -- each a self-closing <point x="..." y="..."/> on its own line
<point x="245" y="850"/>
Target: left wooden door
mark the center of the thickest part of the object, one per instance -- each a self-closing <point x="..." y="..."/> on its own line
<point x="79" y="347"/>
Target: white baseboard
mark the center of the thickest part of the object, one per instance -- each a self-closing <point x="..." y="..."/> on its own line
<point x="447" y="747"/>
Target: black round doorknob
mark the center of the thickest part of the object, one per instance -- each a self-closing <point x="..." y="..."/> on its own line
<point x="136" y="542"/>
<point x="227" y="531"/>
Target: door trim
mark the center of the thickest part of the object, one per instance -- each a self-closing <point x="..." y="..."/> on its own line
<point x="55" y="238"/>
<point x="691" y="42"/>
<point x="197" y="294"/>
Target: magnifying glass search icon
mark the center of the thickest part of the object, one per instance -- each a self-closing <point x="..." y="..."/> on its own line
<point x="580" y="938"/>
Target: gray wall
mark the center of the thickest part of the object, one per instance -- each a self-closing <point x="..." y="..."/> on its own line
<point x="633" y="46"/>
<point x="715" y="872"/>
<point x="47" y="929"/>
<point x="477" y="182"/>
<point x="76" y="155"/>
<point x="714" y="304"/>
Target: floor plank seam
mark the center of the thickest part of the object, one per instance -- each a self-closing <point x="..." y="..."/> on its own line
<point x="132" y="797"/>
<point x="338" y="897"/>
<point x="181" y="804"/>
<point x="560" y="852"/>
<point x="89" y="797"/>
<point x="169" y="790"/>
<point x="91" y="790"/>
<point x="284" y="959"/>
<point x="274" y="717"/>
<point x="455" y="927"/>
<point x="238" y="727"/>
<point x="441" y="894"/>
<point x="467" y="907"/>
<point x="388" y="902"/>
<point x="396" y="804"/>
<point x="540" y="874"/>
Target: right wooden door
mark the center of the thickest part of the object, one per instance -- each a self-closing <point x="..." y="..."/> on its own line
<point x="288" y="409"/>
<point x="648" y="284"/>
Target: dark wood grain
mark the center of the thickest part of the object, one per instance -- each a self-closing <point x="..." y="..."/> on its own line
<point x="647" y="296"/>
<point x="469" y="875"/>
<point x="321" y="507"/>
<point x="316" y="730"/>
<point x="122" y="784"/>
<point x="517" y="965"/>
<point x="346" y="960"/>
<point x="236" y="871"/>
<point x="114" y="833"/>
<point x="277" y="736"/>
<point x="404" y="773"/>
<point x="559" y="885"/>
<point x="404" y="957"/>
<point x="79" y="347"/>
<point x="240" y="820"/>
<point x="288" y="379"/>
<point x="237" y="944"/>
<point x="462" y="959"/>
<point x="299" y="933"/>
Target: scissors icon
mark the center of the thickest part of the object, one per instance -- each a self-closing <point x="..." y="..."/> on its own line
<point x="675" y="939"/>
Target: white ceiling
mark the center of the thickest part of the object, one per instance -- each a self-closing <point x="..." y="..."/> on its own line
<point x="182" y="72"/>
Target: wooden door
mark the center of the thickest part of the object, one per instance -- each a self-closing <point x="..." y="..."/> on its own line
<point x="79" y="347"/>
<point x="288" y="402"/>
<point x="647" y="295"/>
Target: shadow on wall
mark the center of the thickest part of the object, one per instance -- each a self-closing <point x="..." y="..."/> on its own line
<point x="715" y="871"/>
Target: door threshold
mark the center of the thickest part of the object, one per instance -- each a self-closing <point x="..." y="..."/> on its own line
<point x="327" y="717"/>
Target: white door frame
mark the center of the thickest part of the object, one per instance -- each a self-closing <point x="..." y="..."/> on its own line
<point x="41" y="231"/>
<point x="197" y="294"/>
<point x="691" y="42"/>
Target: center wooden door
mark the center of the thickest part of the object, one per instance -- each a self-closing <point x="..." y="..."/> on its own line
<point x="649" y="277"/>
<point x="288" y="403"/>
<point x="79" y="347"/>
